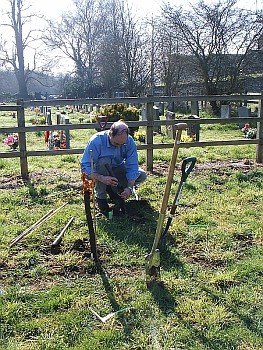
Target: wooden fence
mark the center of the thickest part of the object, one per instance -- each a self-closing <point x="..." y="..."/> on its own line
<point x="149" y="122"/>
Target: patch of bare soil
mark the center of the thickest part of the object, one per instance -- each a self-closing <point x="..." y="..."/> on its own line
<point x="243" y="165"/>
<point x="10" y="182"/>
<point x="73" y="181"/>
<point x="47" y="176"/>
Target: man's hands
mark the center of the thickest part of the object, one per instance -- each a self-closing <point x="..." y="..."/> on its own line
<point x="126" y="193"/>
<point x="113" y="181"/>
<point x="107" y="180"/>
<point x="110" y="181"/>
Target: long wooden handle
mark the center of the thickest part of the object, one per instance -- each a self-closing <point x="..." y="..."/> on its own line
<point x="37" y="224"/>
<point x="179" y="127"/>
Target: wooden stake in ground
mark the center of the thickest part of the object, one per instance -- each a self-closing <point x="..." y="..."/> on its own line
<point x="93" y="191"/>
<point x="87" y="192"/>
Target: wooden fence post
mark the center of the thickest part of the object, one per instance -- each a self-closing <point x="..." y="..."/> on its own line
<point x="149" y="136"/>
<point x="67" y="132"/>
<point x="22" y="140"/>
<point x="259" y="155"/>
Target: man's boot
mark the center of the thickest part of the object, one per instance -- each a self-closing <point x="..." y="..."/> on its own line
<point x="103" y="206"/>
<point x="119" y="203"/>
<point x="119" y="207"/>
<point x="112" y="194"/>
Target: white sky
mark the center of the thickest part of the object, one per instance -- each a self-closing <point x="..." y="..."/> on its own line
<point x="55" y="7"/>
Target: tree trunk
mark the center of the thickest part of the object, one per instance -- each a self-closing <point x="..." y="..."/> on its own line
<point x="20" y="76"/>
<point x="20" y="66"/>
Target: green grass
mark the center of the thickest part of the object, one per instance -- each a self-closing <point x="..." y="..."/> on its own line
<point x="211" y="295"/>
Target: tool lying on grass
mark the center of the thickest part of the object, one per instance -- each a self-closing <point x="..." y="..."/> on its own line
<point x="187" y="166"/>
<point x="110" y="315"/>
<point x="36" y="224"/>
<point x="88" y="186"/>
<point x="153" y="259"/>
<point x="58" y="240"/>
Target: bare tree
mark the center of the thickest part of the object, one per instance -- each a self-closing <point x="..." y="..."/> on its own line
<point x="135" y="62"/>
<point x="219" y="36"/>
<point x="76" y="36"/>
<point x="170" y="61"/>
<point x="21" y="39"/>
<point x="106" y="45"/>
<point x="15" y="56"/>
<point x="123" y="61"/>
<point x="109" y="60"/>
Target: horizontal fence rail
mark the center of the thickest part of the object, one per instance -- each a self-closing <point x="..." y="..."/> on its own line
<point x="150" y="124"/>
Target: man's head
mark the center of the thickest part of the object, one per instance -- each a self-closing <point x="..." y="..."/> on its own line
<point x="118" y="133"/>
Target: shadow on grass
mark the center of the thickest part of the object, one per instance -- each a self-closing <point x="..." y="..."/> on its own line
<point x="116" y="307"/>
<point x="137" y="226"/>
<point x="107" y="286"/>
<point x="163" y="298"/>
<point x="251" y="324"/>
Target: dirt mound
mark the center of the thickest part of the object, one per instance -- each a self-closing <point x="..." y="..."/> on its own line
<point x="73" y="180"/>
<point x="243" y="165"/>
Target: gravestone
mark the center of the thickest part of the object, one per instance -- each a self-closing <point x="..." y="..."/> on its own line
<point x="225" y="111"/>
<point x="143" y="113"/>
<point x="243" y="112"/>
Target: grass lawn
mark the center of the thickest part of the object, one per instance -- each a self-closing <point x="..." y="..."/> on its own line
<point x="211" y="292"/>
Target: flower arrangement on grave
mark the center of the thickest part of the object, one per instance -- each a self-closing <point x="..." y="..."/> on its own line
<point x="246" y="128"/>
<point x="250" y="133"/>
<point x="140" y="135"/>
<point x="188" y="138"/>
<point x="59" y="139"/>
<point x="40" y="120"/>
<point x="12" y="141"/>
<point x="55" y="140"/>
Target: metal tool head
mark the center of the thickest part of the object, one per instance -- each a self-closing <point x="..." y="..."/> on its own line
<point x="187" y="166"/>
<point x="152" y="267"/>
<point x="180" y="126"/>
